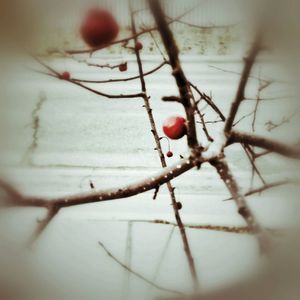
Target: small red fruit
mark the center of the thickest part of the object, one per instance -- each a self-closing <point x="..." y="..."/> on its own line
<point x="123" y="67"/>
<point x="169" y="153"/>
<point x="99" y="28"/>
<point x="138" y="46"/>
<point x="178" y="205"/>
<point x="65" y="75"/>
<point x="174" y="127"/>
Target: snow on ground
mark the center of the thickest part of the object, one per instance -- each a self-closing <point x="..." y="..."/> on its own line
<point x="83" y="137"/>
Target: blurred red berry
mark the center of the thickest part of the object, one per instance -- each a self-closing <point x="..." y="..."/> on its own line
<point x="138" y="46"/>
<point x="175" y="127"/>
<point x="65" y="75"/>
<point x="99" y="28"/>
<point x="169" y="153"/>
<point x="123" y="67"/>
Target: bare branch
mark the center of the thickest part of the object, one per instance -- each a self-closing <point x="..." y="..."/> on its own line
<point x="138" y="275"/>
<point x="222" y="228"/>
<point x="55" y="74"/>
<point x="212" y="26"/>
<point x="266" y="81"/>
<point x="265" y="143"/>
<point x="266" y="187"/>
<point x="163" y="254"/>
<point x="243" y="209"/>
<point x="181" y="81"/>
<point x="249" y="61"/>
<point x="161" y="178"/>
<point x="123" y="79"/>
<point x="171" y="99"/>
<point x="209" y="101"/>
<point x="163" y="162"/>
<point x="251" y="157"/>
<point x="42" y="224"/>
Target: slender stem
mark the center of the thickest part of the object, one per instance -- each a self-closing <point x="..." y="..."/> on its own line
<point x="266" y="187"/>
<point x="240" y="94"/>
<point x="123" y="79"/>
<point x="138" y="275"/>
<point x="163" y="161"/>
<point x="93" y="196"/>
<point x="243" y="209"/>
<point x="178" y="74"/>
<point x="265" y="143"/>
<point x="42" y="224"/>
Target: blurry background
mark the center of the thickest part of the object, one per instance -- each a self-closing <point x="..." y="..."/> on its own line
<point x="57" y="137"/>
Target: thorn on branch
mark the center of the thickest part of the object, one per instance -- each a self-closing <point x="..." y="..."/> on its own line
<point x="92" y="185"/>
<point x="156" y="192"/>
<point x="172" y="99"/>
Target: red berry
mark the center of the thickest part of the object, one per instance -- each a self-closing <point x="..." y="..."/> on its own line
<point x="99" y="28"/>
<point x="178" y="205"/>
<point x="174" y="127"/>
<point x="123" y="67"/>
<point x="65" y="75"/>
<point x="169" y="153"/>
<point x="138" y="46"/>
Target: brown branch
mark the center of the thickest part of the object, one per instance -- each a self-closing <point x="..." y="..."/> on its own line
<point x="243" y="209"/>
<point x="271" y="126"/>
<point x="123" y="79"/>
<point x="138" y="275"/>
<point x="266" y="81"/>
<point x="171" y="99"/>
<point x="163" y="161"/>
<point x="54" y="73"/>
<point x="133" y="189"/>
<point x="89" y="64"/>
<point x="229" y="229"/>
<point x="263" y="153"/>
<point x="202" y="26"/>
<point x="266" y="187"/>
<point x="42" y="224"/>
<point x="269" y="98"/>
<point x="12" y="195"/>
<point x="109" y="96"/>
<point x="249" y="62"/>
<point x="222" y="228"/>
<point x="209" y="101"/>
<point x="163" y="254"/>
<point x="251" y="157"/>
<point x="181" y="81"/>
<point x="157" y="46"/>
<point x="265" y="143"/>
<point x="201" y="117"/>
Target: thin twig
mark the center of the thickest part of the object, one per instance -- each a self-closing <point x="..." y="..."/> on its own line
<point x="163" y="254"/>
<point x="163" y="160"/>
<point x="249" y="61"/>
<point x="213" y="26"/>
<point x="243" y="209"/>
<point x="138" y="275"/>
<point x="93" y="196"/>
<point x="266" y="187"/>
<point x="222" y="228"/>
<point x="42" y="224"/>
<point x="123" y="79"/>
<point x="265" y="143"/>
<point x="178" y="74"/>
